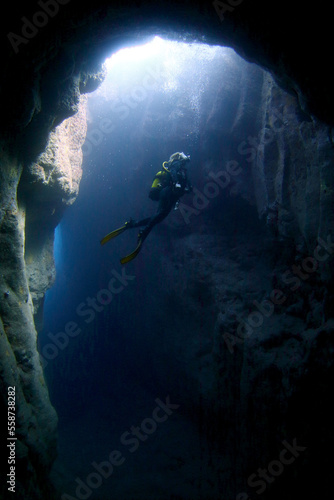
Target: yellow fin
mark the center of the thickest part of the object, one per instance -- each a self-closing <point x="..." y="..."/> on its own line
<point x="132" y="255"/>
<point x="113" y="234"/>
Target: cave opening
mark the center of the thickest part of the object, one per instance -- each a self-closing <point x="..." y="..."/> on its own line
<point x="203" y="368"/>
<point x="135" y="357"/>
<point x="151" y="101"/>
<point x="101" y="322"/>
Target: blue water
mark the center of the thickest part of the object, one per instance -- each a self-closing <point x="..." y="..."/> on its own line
<point x="100" y="369"/>
<point x="125" y="146"/>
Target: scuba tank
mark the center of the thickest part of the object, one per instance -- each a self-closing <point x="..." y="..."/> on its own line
<point x="171" y="175"/>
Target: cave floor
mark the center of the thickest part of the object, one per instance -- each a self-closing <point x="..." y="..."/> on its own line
<point x="172" y="461"/>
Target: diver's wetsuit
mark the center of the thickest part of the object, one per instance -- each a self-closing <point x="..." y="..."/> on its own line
<point x="167" y="201"/>
<point x="168" y="197"/>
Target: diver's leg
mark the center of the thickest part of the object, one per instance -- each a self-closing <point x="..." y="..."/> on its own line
<point x="134" y="223"/>
<point x="166" y="203"/>
<point x="143" y="222"/>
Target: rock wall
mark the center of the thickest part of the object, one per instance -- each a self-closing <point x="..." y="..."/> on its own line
<point x="292" y="172"/>
<point x="33" y="203"/>
<point x="35" y="424"/>
<point x="47" y="187"/>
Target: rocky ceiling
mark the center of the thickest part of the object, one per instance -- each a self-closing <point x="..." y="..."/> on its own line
<point x="51" y="50"/>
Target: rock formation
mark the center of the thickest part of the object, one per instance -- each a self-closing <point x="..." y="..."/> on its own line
<point x="47" y="187"/>
<point x="29" y="216"/>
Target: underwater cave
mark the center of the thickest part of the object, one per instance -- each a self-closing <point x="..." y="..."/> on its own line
<point x="203" y="368"/>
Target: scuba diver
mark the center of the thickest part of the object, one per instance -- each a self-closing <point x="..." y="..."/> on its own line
<point x="168" y="186"/>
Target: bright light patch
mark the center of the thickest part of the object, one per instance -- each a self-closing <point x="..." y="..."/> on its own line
<point x="58" y="246"/>
<point x="163" y="76"/>
<point x="135" y="54"/>
<point x="166" y="61"/>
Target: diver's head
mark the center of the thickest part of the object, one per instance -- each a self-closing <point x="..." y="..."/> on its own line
<point x="179" y="160"/>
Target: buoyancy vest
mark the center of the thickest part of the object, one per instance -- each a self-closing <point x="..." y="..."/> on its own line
<point x="161" y="179"/>
<point x="175" y="178"/>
